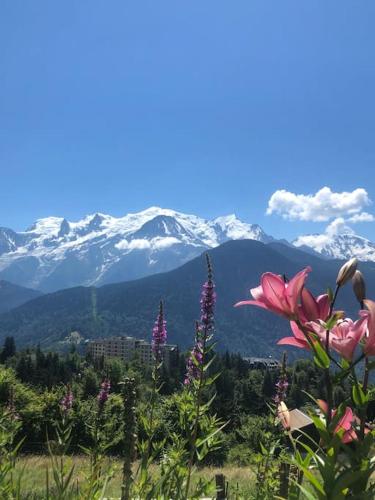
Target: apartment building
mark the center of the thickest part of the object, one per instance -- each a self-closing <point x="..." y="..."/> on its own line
<point x="128" y="348"/>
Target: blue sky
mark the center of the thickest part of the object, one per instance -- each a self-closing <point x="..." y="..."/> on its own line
<point x="205" y="107"/>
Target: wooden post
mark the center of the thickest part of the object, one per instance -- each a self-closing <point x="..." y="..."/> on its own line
<point x="284" y="471"/>
<point x="220" y="487"/>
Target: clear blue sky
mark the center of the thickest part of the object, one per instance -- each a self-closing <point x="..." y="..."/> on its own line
<point x="202" y="106"/>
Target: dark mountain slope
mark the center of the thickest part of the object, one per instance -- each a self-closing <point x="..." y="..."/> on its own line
<point x="130" y="308"/>
<point x="12" y="296"/>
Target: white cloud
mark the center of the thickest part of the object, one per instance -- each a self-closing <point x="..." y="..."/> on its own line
<point x="157" y="243"/>
<point x="139" y="244"/>
<point x="362" y="217"/>
<point x="324" y="205"/>
<point x="122" y="245"/>
<point x="160" y="243"/>
<point x="136" y="244"/>
<point x="316" y="241"/>
<point x="338" y="226"/>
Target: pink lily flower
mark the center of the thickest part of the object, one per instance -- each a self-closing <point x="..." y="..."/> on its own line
<point x="345" y="336"/>
<point x="275" y="295"/>
<point x="299" y="339"/>
<point x="369" y="347"/>
<point x="346" y="423"/>
<point x="311" y="308"/>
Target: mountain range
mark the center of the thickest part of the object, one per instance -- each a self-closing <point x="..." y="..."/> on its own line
<point x="130" y="308"/>
<point x="55" y="253"/>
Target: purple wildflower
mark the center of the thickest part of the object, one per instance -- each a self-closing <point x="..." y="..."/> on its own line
<point x="282" y="384"/>
<point x="204" y="329"/>
<point x="104" y="392"/>
<point x="208" y="299"/>
<point x="159" y="334"/>
<point x="281" y="390"/>
<point x="194" y="363"/>
<point x="66" y="403"/>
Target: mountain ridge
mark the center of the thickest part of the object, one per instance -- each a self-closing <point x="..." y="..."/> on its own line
<point x="13" y="296"/>
<point x="129" y="308"/>
<point x="55" y="253"/>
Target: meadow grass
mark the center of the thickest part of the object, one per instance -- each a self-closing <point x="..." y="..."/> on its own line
<point x="34" y="469"/>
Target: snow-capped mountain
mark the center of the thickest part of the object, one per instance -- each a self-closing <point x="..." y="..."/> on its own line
<point x="55" y="253"/>
<point x="338" y="246"/>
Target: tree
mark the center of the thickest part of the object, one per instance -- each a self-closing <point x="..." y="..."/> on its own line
<point x="8" y="350"/>
<point x="268" y="388"/>
<point x="90" y="382"/>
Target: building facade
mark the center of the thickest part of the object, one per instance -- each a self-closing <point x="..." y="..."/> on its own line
<point x="129" y="348"/>
<point x="263" y="363"/>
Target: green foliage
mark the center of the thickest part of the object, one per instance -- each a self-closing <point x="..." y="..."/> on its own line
<point x="241" y="455"/>
<point x="253" y="429"/>
<point x="9" y="427"/>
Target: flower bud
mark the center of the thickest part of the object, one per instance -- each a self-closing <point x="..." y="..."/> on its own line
<point x="346" y="272"/>
<point x="359" y="286"/>
<point x="284" y="415"/>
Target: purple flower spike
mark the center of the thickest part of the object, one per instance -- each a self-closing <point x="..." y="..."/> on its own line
<point x="194" y="363"/>
<point x="208" y="299"/>
<point x="66" y="403"/>
<point x="159" y="334"/>
<point x="103" y="393"/>
<point x="281" y="390"/>
<point x="282" y="384"/>
<point x="204" y="329"/>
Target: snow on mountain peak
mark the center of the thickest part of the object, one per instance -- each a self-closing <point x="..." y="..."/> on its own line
<point x="56" y="253"/>
<point x="47" y="227"/>
<point x="235" y="229"/>
<point x="343" y="245"/>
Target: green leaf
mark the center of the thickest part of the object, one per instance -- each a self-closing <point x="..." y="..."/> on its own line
<point x="345" y="364"/>
<point x="347" y="478"/>
<point x="359" y="397"/>
<point x="321" y="358"/>
<point x="211" y="380"/>
<point x="207" y="365"/>
<point x="200" y="442"/>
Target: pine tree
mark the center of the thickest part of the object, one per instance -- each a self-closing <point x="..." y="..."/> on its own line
<point x="8" y="350"/>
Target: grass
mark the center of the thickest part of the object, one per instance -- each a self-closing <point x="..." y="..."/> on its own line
<point x="34" y="469"/>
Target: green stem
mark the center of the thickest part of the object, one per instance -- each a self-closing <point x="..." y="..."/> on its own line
<point x="152" y="409"/>
<point x="143" y="465"/>
<point x="365" y="387"/>
<point x="327" y="374"/>
<point x="197" y="415"/>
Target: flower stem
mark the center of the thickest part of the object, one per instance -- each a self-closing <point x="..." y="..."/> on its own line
<point x="327" y="374"/>
<point x="365" y="387"/>
<point x="197" y="415"/>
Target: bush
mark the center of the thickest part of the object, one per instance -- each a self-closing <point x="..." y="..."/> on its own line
<point x="253" y="430"/>
<point x="240" y="455"/>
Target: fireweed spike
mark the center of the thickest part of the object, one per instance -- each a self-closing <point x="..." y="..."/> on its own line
<point x="159" y="334"/>
<point x="104" y="393"/>
<point x="66" y="403"/>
